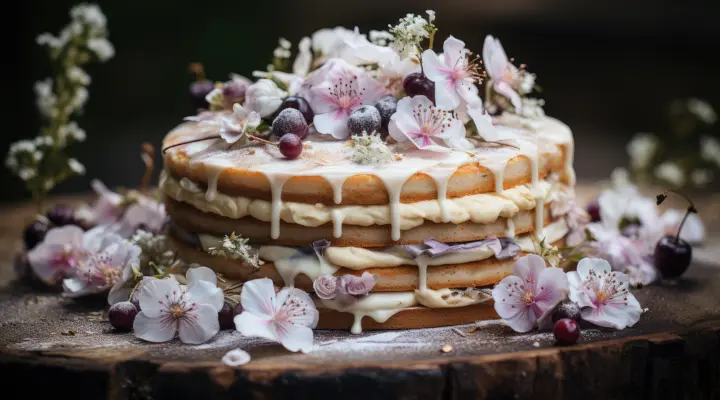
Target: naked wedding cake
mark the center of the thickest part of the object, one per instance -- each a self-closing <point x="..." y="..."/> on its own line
<point x="371" y="174"/>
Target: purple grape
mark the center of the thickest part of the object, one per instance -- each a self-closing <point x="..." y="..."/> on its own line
<point x="225" y="317"/>
<point x="386" y="106"/>
<point x="290" y="146"/>
<point x="290" y="120"/>
<point x="35" y="233"/>
<point x="300" y="104"/>
<point x="122" y="315"/>
<point x="417" y="84"/>
<point x="365" y="119"/>
<point x="61" y="215"/>
<point x="198" y="91"/>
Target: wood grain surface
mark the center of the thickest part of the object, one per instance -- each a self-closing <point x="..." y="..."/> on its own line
<point x="66" y="348"/>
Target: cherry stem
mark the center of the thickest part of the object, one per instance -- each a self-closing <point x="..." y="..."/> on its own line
<point x="190" y="141"/>
<point x="262" y="140"/>
<point x="691" y="209"/>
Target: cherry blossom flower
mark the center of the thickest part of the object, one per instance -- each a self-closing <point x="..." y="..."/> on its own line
<point x="419" y="121"/>
<point x="625" y="254"/>
<point x="107" y="209"/>
<point x="232" y="127"/>
<point x="532" y="291"/>
<point x="264" y="97"/>
<point x="145" y="213"/>
<point x="501" y="71"/>
<point x="62" y="250"/>
<point x="392" y="73"/>
<point x="236" y="358"/>
<point x="693" y="231"/>
<point x="454" y="75"/>
<point x="603" y="294"/>
<point x="350" y="46"/>
<point x="108" y="257"/>
<point x="303" y="60"/>
<point x="340" y="94"/>
<point x="169" y="308"/>
<point x="287" y="317"/>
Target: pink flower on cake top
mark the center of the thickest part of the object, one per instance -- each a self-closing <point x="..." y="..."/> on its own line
<point x="232" y="127"/>
<point x="533" y="290"/>
<point x="287" y="317"/>
<point x="418" y="120"/>
<point x="190" y="311"/>
<point x="501" y="72"/>
<point x="603" y="295"/>
<point x="454" y="75"/>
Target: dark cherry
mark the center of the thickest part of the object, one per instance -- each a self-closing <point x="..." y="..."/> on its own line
<point x="35" y="233"/>
<point x="417" y="84"/>
<point x="61" y="215"/>
<point x="566" y="331"/>
<point x="225" y="317"/>
<point x="122" y="315"/>
<point x="593" y="209"/>
<point x="673" y="255"/>
<point x="290" y="146"/>
<point x="566" y="309"/>
<point x="198" y="91"/>
<point x="298" y="103"/>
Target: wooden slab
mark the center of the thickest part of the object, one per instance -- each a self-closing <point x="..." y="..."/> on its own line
<point x="66" y="348"/>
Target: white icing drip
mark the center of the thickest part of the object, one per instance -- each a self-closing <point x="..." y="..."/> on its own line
<point x="510" y="230"/>
<point x="539" y="217"/>
<point x="290" y="263"/>
<point x="276" y="184"/>
<point x="336" y="182"/>
<point x="422" y="263"/>
<point x="212" y="182"/>
<point x="337" y="219"/>
<point x="442" y="176"/>
<point x="393" y="185"/>
<point x="569" y="158"/>
<point x="378" y="306"/>
<point x="379" y="316"/>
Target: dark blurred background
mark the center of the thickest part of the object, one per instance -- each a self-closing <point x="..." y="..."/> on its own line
<point x="608" y="68"/>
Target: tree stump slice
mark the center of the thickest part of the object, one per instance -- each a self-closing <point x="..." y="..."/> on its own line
<point x="49" y="344"/>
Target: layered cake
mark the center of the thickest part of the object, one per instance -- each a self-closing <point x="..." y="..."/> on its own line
<point x="404" y="179"/>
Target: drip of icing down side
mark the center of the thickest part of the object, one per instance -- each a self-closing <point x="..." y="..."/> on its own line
<point x="393" y="185"/>
<point x="290" y="263"/>
<point x="442" y="176"/>
<point x="276" y="185"/>
<point x="212" y="182"/>
<point x="378" y="306"/>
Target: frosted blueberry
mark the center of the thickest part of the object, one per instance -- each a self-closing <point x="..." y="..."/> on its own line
<point x="290" y="120"/>
<point x="386" y="106"/>
<point x="364" y="119"/>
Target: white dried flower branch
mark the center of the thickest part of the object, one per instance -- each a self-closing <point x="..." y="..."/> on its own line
<point x="41" y="162"/>
<point x="236" y="247"/>
<point x="370" y="149"/>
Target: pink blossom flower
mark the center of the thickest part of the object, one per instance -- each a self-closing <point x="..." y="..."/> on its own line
<point x="61" y="252"/>
<point x="693" y="231"/>
<point x="145" y="213"/>
<point x="603" y="295"/>
<point x="454" y="75"/>
<point x="419" y="121"/>
<point x="232" y="127"/>
<point x="107" y="209"/>
<point x="625" y="254"/>
<point x="169" y="308"/>
<point x="343" y="91"/>
<point x="501" y="71"/>
<point x="287" y="317"/>
<point x="534" y="289"/>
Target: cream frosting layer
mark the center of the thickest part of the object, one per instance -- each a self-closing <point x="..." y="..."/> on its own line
<point x="478" y="208"/>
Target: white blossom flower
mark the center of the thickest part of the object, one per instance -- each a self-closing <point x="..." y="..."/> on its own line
<point x="78" y="76"/>
<point x="327" y="43"/>
<point x="145" y="213"/>
<point x="502" y="73"/>
<point x="693" y="230"/>
<point x="431" y="16"/>
<point x="236" y="358"/>
<point x="702" y="110"/>
<point x="79" y="99"/>
<point x="710" y="149"/>
<point x="108" y="255"/>
<point x="61" y="251"/>
<point x="46" y="99"/>
<point x="532" y="291"/>
<point x="287" y="317"/>
<point x="380" y="38"/>
<point x="454" y="75"/>
<point x="233" y="127"/>
<point x="76" y="166"/>
<point x="419" y="121"/>
<point x="671" y="173"/>
<point x="358" y="50"/>
<point x="303" y="60"/>
<point x="284" y="43"/>
<point x="409" y="33"/>
<point x="27" y="173"/>
<point x="392" y="74"/>
<point x="343" y="91"/>
<point x="102" y="48"/>
<point x="191" y="311"/>
<point x="603" y="295"/>
<point x="641" y="149"/>
<point x="108" y="207"/>
<point x="47" y="39"/>
<point x="701" y="177"/>
<point x="264" y="97"/>
<point x="91" y="15"/>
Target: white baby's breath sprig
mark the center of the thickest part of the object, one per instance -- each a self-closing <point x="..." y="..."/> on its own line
<point x="370" y="149"/>
<point x="235" y="246"/>
<point x="410" y="32"/>
<point x="42" y="163"/>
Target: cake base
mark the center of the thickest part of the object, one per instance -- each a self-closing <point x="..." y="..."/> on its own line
<point x="411" y="318"/>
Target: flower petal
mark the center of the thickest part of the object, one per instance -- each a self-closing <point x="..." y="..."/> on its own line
<point x="552" y="287"/>
<point x="577" y="294"/>
<point x="203" y="292"/>
<point x="258" y="297"/>
<point x="251" y="325"/>
<point x="295" y="337"/>
<point x="152" y="329"/>
<point x="453" y="50"/>
<point x="154" y="293"/>
<point x="529" y="268"/>
<point x="598" y="265"/>
<point x="298" y="306"/>
<point x="236" y="358"/>
<point x="199" y="325"/>
<point x="506" y="90"/>
<point x="333" y="123"/>
<point x="198" y="274"/>
<point x="495" y="60"/>
<point x="614" y="315"/>
<point x="446" y="96"/>
<point x="510" y="305"/>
